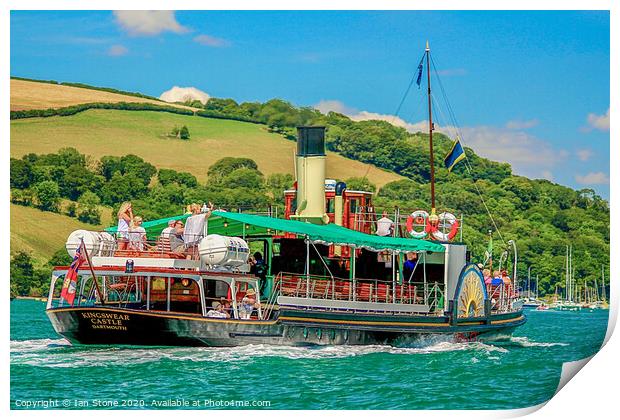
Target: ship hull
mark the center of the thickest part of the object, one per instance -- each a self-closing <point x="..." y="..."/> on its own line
<point x="109" y="326"/>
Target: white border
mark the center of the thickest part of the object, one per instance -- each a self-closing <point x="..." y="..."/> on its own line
<point x="592" y="394"/>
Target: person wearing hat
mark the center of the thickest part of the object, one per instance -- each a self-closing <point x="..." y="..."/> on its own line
<point x="217" y="311"/>
<point x="248" y="304"/>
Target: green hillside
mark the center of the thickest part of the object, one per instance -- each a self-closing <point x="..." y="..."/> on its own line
<point x="542" y="217"/>
<point x="109" y="132"/>
<point x="41" y="233"/>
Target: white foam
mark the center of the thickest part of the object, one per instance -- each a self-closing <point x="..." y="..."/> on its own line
<point x="42" y="352"/>
<point x="29" y="346"/>
<point x="525" y="342"/>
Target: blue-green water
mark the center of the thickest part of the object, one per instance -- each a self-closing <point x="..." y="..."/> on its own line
<point x="431" y="374"/>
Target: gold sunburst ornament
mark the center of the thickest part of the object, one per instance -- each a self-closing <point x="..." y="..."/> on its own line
<point x="472" y="294"/>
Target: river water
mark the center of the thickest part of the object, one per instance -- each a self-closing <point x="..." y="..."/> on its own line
<point x="47" y="372"/>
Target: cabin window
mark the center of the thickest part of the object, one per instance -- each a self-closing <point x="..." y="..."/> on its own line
<point x="329" y="206"/>
<point x="353" y="202"/>
<point x="184" y="296"/>
<point x="55" y="301"/>
<point x="158" y="293"/>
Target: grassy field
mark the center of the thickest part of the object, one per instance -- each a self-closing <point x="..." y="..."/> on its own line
<point x="41" y="232"/>
<point x="110" y="132"/>
<point x="34" y="95"/>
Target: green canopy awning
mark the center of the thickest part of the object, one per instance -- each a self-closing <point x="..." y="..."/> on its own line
<point x="244" y="224"/>
<point x="332" y="234"/>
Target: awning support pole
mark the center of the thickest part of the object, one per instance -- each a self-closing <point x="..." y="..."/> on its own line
<point x="307" y="267"/>
<point x="353" y="250"/>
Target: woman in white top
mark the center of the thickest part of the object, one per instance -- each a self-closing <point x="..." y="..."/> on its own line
<point x="125" y="217"/>
<point x="137" y="235"/>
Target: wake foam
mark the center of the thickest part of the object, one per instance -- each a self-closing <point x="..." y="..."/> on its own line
<point x="525" y="342"/>
<point x="60" y="354"/>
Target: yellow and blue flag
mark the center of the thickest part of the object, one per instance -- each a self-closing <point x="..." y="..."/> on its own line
<point x="455" y="155"/>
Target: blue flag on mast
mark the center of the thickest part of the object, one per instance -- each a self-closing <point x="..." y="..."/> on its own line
<point x="455" y="155"/>
<point x="419" y="79"/>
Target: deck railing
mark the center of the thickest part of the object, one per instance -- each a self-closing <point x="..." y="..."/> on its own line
<point x="115" y="245"/>
<point x="502" y="297"/>
<point x="357" y="290"/>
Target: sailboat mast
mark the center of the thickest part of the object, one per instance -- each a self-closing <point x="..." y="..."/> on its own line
<point x="566" y="284"/>
<point x="430" y="127"/>
<point x="604" y="292"/>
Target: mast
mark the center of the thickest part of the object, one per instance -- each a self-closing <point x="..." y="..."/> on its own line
<point x="603" y="281"/>
<point x="430" y="127"/>
<point x="566" y="284"/>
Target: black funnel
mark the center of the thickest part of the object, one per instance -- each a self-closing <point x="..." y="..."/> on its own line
<point x="310" y="141"/>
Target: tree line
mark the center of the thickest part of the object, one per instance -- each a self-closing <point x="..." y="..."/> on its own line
<point x="541" y="216"/>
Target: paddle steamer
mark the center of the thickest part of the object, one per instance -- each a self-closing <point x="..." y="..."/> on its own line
<point x="329" y="278"/>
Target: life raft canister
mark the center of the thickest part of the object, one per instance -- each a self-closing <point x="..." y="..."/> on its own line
<point x="417" y="218"/>
<point x="447" y="220"/>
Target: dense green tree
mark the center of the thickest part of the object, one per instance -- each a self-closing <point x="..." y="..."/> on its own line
<point x="184" y="133"/>
<point x="77" y="180"/>
<point x="276" y="185"/>
<point x="22" y="272"/>
<point x="88" y="208"/>
<point x="243" y="178"/>
<point x="47" y="195"/>
<point x="21" y="173"/>
<point x="360" y="184"/>
<point x="227" y="165"/>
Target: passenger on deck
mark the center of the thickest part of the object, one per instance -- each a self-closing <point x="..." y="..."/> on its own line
<point x="497" y="279"/>
<point x="248" y="304"/>
<point x="177" y="243"/>
<point x="259" y="269"/>
<point x="505" y="279"/>
<point x="137" y="235"/>
<point x="486" y="273"/>
<point x="226" y="306"/>
<point x="125" y="216"/>
<point x="409" y="266"/>
<point x="385" y="225"/>
<point x="164" y="237"/>
<point x="195" y="224"/>
<point x="217" y="311"/>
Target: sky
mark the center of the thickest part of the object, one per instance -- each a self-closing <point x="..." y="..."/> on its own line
<point x="530" y="88"/>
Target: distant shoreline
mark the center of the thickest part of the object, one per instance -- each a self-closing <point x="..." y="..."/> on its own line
<point x="39" y="298"/>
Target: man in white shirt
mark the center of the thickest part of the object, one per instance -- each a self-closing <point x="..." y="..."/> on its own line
<point x="385" y="225"/>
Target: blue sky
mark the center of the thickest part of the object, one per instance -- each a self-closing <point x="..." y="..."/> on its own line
<point x="528" y="88"/>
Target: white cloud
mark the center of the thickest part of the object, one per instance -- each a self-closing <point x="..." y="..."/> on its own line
<point x="599" y="122"/>
<point x="584" y="154"/>
<point x="182" y="94"/>
<point x="117" y="50"/>
<point x="527" y="154"/>
<point x="211" y="41"/>
<point x="593" y="178"/>
<point x="330" y="105"/>
<point x="148" y="22"/>
<point x="521" y="124"/>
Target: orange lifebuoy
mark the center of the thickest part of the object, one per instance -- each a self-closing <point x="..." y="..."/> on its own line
<point x="450" y="219"/>
<point x="417" y="218"/>
<point x="454" y="230"/>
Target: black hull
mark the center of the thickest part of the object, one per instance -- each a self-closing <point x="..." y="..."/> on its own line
<point x="106" y="325"/>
